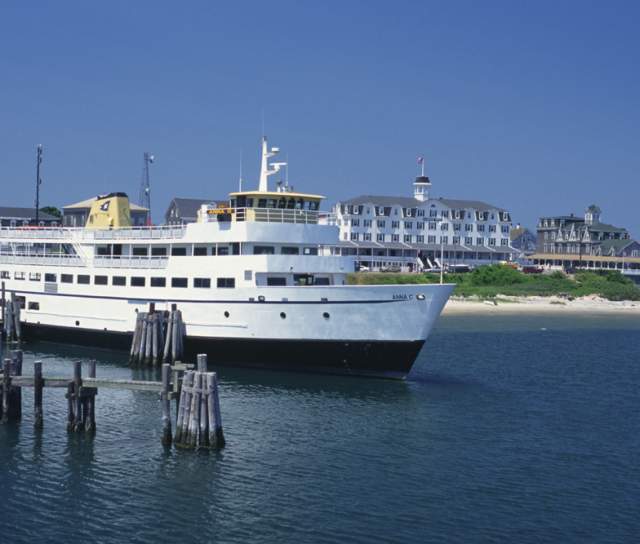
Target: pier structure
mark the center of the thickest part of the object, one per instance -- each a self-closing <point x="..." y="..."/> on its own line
<point x="195" y="390"/>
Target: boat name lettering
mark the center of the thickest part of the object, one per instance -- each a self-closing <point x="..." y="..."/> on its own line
<point x="402" y="296"/>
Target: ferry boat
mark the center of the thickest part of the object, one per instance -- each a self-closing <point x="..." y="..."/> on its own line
<point x="256" y="280"/>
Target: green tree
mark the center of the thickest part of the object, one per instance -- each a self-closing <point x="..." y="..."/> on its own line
<point x="52" y="210"/>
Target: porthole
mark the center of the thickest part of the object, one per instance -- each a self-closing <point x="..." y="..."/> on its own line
<point x="420" y="296"/>
<point x="226" y="314"/>
<point x="326" y="315"/>
<point x="283" y="315"/>
<point x="77" y="323"/>
<point x="260" y="298"/>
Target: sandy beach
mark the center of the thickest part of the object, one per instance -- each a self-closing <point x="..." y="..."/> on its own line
<point x="520" y="305"/>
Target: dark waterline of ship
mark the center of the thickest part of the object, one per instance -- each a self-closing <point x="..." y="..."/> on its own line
<point x="511" y="429"/>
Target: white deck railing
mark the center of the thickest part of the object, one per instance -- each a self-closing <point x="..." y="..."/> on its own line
<point x="130" y="262"/>
<point x="74" y="233"/>
<point x="43" y="260"/>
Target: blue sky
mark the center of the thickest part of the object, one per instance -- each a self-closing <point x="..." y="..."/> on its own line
<point x="533" y="106"/>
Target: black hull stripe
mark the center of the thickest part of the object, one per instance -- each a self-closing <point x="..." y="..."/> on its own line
<point x="188" y="301"/>
<point x="389" y="359"/>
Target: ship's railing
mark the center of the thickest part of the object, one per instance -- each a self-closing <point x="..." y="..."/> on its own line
<point x="74" y="233"/>
<point x="44" y="260"/>
<point x="130" y="262"/>
<point x="277" y="215"/>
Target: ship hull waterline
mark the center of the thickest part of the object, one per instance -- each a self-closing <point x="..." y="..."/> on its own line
<point x="374" y="358"/>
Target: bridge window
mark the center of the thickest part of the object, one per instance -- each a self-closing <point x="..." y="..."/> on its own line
<point x="290" y="250"/>
<point x="50" y="277"/>
<point x="81" y="278"/>
<point x="36" y="276"/>
<point x="34" y="305"/>
<point x="140" y="252"/>
<point x="18" y="275"/>
<point x="137" y="281"/>
<point x="274" y="282"/>
<point x="158" y="251"/>
<point x="199" y="251"/>
<point x="66" y="278"/>
<point x="179" y="251"/>
<point x="179" y="282"/>
<point x="100" y="280"/>
<point x="119" y="280"/>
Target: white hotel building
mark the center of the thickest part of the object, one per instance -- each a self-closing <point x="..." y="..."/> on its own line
<point x="388" y="232"/>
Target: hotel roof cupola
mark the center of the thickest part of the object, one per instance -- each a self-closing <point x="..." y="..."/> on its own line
<point x="592" y="215"/>
<point x="422" y="184"/>
<point x="267" y="169"/>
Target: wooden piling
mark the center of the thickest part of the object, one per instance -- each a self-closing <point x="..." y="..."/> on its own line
<point x="6" y="389"/>
<point x="167" y="340"/>
<point x="201" y="362"/>
<point x="38" y="385"/>
<point x="17" y="327"/>
<point x="165" y="397"/>
<point x="136" y="338"/>
<point x="90" y="407"/>
<point x="16" y="392"/>
<point x="155" y="337"/>
<point x="77" y="399"/>
<point x="217" y="416"/>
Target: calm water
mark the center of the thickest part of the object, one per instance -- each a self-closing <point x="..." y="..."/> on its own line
<point x="512" y="429"/>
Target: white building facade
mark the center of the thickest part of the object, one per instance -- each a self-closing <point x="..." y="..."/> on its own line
<point x="391" y="233"/>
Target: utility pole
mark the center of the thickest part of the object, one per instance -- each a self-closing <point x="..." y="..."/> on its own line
<point x="38" y="181"/>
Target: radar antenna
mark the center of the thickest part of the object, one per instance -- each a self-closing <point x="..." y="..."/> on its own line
<point x="267" y="169"/>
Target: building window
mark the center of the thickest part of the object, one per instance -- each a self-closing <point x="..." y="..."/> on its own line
<point x="158" y="282"/>
<point x="480" y="228"/>
<point x="100" y="280"/>
<point x="381" y="224"/>
<point x="420" y="213"/>
<point x="179" y="282"/>
<point x="420" y="225"/>
<point x="420" y="239"/>
<point x="433" y="213"/>
<point x="505" y="229"/>
<point x="366" y="223"/>
<point x="380" y="238"/>
<point x="504" y="242"/>
<point x="444" y="213"/>
<point x="83" y="279"/>
<point x="137" y="281"/>
<point x="367" y="237"/>
<point x="395" y="237"/>
<point x="354" y="236"/>
<point x="431" y="239"/>
<point x="492" y="241"/>
<point x="119" y="281"/>
<point x="492" y="228"/>
<point x="199" y="251"/>
<point x="395" y="224"/>
<point x="226" y="283"/>
<point x="444" y="226"/>
<point x="444" y="239"/>
<point x="202" y="283"/>
<point x="457" y="226"/>
<point x="408" y="224"/>
<point x="355" y="222"/>
<point x="468" y="241"/>
<point x="407" y="238"/>
<point x="432" y="225"/>
<point x="456" y="239"/>
<point x="468" y="227"/>
<point x="480" y="241"/>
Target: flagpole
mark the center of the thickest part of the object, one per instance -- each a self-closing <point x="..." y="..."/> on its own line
<point x="38" y="182"/>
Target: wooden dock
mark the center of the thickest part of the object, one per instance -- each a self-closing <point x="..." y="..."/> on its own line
<point x="195" y="390"/>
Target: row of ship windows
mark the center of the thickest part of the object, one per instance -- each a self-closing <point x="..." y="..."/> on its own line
<point x="134" y="281"/>
<point x="199" y="251"/>
<point x="420" y="225"/>
<point x="419" y="239"/>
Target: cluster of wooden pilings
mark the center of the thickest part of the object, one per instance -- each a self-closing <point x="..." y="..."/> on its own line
<point x="158" y="337"/>
<point x="11" y="330"/>
<point x="198" y="421"/>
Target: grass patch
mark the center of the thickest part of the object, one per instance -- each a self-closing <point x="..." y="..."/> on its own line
<point x="489" y="282"/>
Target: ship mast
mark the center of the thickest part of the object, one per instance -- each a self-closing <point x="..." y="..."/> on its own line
<point x="267" y="169"/>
